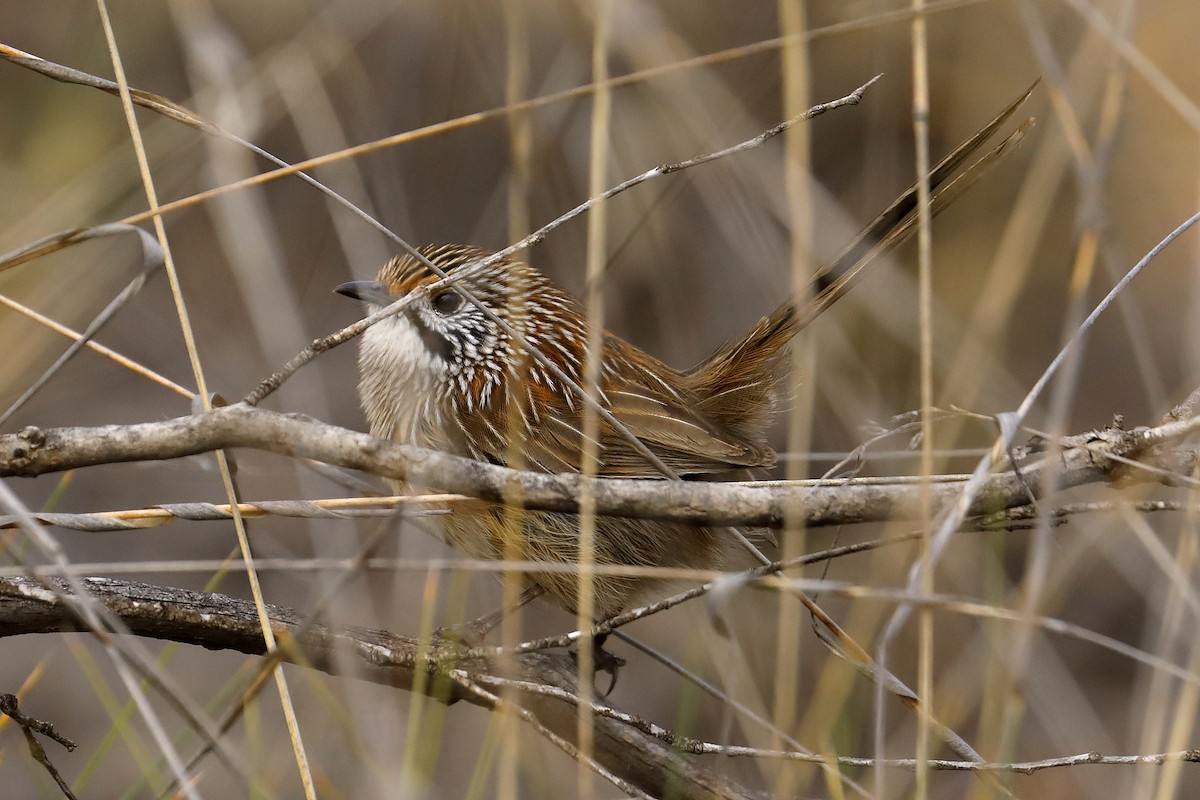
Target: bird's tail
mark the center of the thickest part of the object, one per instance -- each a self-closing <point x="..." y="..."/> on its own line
<point x="738" y="384"/>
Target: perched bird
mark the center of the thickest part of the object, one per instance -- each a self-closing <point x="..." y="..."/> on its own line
<point x="443" y="375"/>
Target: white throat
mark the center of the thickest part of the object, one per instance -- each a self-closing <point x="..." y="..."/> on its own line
<point x="401" y="383"/>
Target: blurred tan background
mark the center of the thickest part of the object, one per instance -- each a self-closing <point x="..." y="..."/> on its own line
<point x="696" y="257"/>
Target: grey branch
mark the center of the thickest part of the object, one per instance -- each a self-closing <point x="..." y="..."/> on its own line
<point x="217" y="621"/>
<point x="1087" y="458"/>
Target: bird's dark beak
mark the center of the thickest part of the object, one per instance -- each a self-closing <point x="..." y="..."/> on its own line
<point x="373" y="292"/>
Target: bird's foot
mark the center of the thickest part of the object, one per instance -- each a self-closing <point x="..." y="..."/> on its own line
<point x="602" y="661"/>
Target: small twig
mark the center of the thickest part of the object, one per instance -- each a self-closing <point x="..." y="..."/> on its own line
<point x="693" y="746"/>
<point x="852" y="99"/>
<point x="1014" y="518"/>
<point x="634" y="614"/>
<point x="1189" y="408"/>
<point x="154" y="516"/>
<point x="906" y="423"/>
<point x="29" y="726"/>
<point x="10" y="707"/>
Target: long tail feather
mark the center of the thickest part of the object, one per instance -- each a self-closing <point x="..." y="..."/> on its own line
<point x="739" y="379"/>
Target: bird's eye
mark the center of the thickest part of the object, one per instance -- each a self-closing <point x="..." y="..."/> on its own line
<point x="447" y="302"/>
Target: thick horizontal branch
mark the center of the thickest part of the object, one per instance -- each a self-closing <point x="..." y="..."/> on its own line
<point x="35" y="451"/>
<point x="219" y="622"/>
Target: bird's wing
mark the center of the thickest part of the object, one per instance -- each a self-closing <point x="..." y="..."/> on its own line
<point x="553" y="442"/>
